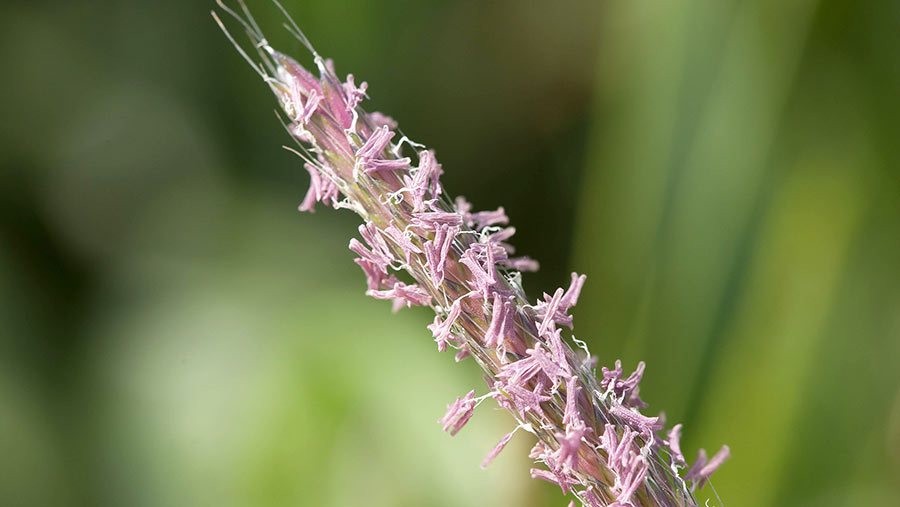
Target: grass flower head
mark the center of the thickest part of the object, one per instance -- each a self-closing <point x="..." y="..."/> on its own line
<point x="418" y="247"/>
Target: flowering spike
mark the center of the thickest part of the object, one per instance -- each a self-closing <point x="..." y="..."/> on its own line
<point x="459" y="262"/>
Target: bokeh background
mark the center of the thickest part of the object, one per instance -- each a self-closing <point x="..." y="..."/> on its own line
<point x="174" y="333"/>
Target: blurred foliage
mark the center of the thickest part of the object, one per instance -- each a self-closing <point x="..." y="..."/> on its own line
<point x="741" y="224"/>
<point x="173" y="333"/>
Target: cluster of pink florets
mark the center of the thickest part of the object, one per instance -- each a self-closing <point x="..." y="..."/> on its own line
<point x="420" y="249"/>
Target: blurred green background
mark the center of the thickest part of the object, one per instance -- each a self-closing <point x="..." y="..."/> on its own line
<point x="173" y="333"/>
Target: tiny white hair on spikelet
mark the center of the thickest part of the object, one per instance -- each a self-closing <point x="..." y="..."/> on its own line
<point x="592" y="439"/>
